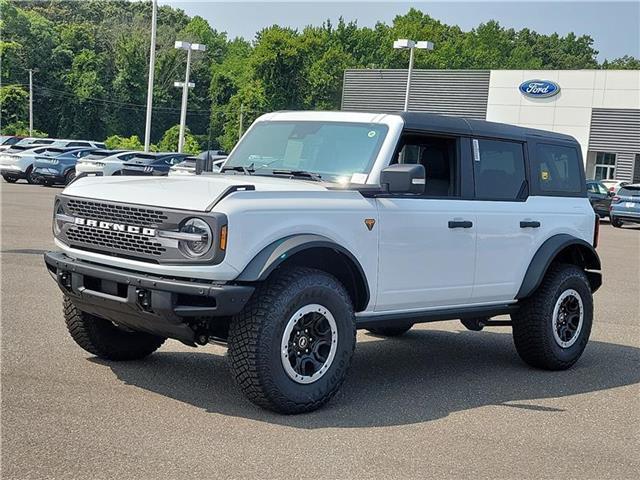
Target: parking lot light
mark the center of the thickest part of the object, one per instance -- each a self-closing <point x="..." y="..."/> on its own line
<point x="405" y="44"/>
<point x="189" y="47"/>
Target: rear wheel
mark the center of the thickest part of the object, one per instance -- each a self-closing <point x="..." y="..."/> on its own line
<point x="292" y="344"/>
<point x="390" y="331"/>
<point x="29" y="175"/>
<point x="9" y="179"/>
<point x="69" y="177"/>
<point x="616" y="222"/>
<point x="552" y="327"/>
<point x="104" y="339"/>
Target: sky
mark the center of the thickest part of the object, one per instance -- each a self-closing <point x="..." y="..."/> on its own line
<point x="614" y="26"/>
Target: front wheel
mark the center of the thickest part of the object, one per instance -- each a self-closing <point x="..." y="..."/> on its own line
<point x="552" y="327"/>
<point x="104" y="339"/>
<point x="616" y="222"/>
<point x="292" y="344"/>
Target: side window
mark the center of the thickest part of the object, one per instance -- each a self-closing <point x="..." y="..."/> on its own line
<point x="556" y="169"/>
<point x="439" y="156"/>
<point x="498" y="170"/>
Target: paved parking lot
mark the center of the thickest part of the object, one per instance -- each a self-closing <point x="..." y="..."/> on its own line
<point x="438" y="402"/>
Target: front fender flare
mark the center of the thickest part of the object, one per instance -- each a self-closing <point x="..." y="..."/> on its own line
<point x="273" y="255"/>
<point x="547" y="252"/>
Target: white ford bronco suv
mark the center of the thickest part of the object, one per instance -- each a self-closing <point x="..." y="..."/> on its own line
<point x="321" y="223"/>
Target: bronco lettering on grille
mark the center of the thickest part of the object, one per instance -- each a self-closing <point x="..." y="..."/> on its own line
<point x="116" y="227"/>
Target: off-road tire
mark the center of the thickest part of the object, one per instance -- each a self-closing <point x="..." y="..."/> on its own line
<point x="617" y="223"/>
<point x="27" y="175"/>
<point x="256" y="333"/>
<point x="533" y="322"/>
<point x="9" y="179"/>
<point x="103" y="339"/>
<point x="390" y="331"/>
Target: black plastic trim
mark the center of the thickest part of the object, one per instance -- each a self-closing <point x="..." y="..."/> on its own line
<point x="398" y="319"/>
<point x="167" y="313"/>
<point x="548" y="252"/>
<point x="276" y="253"/>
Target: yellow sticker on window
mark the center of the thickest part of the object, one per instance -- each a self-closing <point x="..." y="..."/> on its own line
<point x="545" y="175"/>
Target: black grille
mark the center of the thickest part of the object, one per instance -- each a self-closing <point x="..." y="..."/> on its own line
<point x="143" y="217"/>
<point x="128" y="242"/>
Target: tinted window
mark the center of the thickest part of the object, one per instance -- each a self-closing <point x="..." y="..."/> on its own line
<point x="557" y="169"/>
<point x="632" y="191"/>
<point x="78" y="144"/>
<point x="498" y="170"/>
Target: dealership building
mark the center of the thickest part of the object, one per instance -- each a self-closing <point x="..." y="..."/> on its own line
<point x="600" y="108"/>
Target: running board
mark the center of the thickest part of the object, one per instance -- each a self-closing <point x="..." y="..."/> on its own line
<point x="399" y="319"/>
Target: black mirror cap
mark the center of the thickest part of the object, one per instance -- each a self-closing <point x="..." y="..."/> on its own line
<point x="403" y="178"/>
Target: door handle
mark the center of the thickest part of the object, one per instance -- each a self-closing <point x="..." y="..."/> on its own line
<point x="529" y="224"/>
<point x="460" y="224"/>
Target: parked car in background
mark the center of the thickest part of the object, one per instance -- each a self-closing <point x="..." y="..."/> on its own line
<point x="17" y="162"/>
<point x="29" y="142"/>
<point x="188" y="165"/>
<point x="599" y="197"/>
<point x="625" y="206"/>
<point x="58" y="142"/>
<point x="58" y="165"/>
<point x="104" y="162"/>
<point x="156" y="164"/>
<point x="614" y="185"/>
<point x="8" y="140"/>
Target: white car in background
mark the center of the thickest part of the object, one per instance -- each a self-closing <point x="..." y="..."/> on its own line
<point x="8" y="142"/>
<point x="17" y="162"/>
<point x="614" y="185"/>
<point x="188" y="166"/>
<point x="99" y="163"/>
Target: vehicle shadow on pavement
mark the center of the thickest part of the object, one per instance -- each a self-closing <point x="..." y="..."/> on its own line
<point x="422" y="376"/>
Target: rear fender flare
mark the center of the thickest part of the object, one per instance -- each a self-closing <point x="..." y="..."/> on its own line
<point x="548" y="252"/>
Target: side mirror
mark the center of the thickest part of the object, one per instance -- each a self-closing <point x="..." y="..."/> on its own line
<point x="403" y="178"/>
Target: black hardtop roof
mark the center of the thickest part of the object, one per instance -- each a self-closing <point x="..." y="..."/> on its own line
<point x="421" y="121"/>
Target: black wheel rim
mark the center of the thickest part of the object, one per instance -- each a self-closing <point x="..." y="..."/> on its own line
<point x="309" y="343"/>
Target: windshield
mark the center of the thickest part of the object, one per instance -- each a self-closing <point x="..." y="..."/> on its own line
<point x="337" y="151"/>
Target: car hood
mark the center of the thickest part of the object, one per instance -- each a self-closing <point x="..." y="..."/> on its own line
<point x="195" y="193"/>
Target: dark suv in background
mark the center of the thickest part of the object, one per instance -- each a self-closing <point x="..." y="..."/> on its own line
<point x="599" y="197"/>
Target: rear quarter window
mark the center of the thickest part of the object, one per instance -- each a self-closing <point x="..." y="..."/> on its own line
<point x="557" y="169"/>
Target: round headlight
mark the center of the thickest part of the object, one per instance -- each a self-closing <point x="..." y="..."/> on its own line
<point x="57" y="224"/>
<point x="196" y="248"/>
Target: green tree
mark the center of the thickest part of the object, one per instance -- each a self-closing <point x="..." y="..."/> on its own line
<point x="169" y="141"/>
<point x="627" y="62"/>
<point x="13" y="104"/>
<point x="116" y="142"/>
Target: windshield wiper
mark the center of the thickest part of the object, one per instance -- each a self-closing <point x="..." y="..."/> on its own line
<point x="239" y="168"/>
<point x="299" y="173"/>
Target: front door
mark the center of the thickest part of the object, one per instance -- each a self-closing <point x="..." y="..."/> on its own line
<point x="426" y="260"/>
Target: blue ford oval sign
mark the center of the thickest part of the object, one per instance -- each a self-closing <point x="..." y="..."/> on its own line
<point x="539" y="88"/>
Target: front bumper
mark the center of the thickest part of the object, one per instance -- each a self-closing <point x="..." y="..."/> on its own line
<point x="150" y="303"/>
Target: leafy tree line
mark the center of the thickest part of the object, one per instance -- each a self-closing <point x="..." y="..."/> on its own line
<point x="92" y="60"/>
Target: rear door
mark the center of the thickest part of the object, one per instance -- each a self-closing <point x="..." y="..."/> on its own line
<point x="508" y="226"/>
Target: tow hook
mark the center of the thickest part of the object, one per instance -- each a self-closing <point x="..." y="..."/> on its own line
<point x="65" y="279"/>
<point x="143" y="298"/>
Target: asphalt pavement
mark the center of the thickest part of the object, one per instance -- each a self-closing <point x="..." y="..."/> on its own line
<point x="439" y="402"/>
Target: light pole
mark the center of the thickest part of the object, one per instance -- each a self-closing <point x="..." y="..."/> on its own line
<point x="152" y="66"/>
<point x="31" y="70"/>
<point x="189" y="47"/>
<point x="404" y="44"/>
